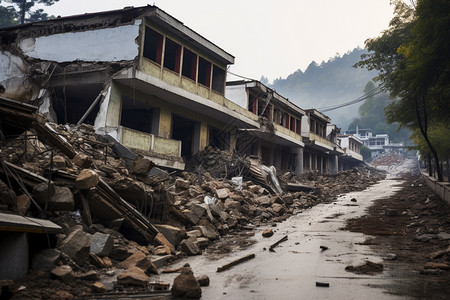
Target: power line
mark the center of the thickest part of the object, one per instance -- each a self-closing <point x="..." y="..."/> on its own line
<point x="369" y="94"/>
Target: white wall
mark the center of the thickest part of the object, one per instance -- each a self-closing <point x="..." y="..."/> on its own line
<point x="108" y="44"/>
<point x="237" y="94"/>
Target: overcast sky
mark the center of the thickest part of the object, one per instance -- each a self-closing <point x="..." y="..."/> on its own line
<point x="273" y="38"/>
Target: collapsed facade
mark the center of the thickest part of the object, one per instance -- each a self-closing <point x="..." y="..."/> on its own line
<point x="152" y="84"/>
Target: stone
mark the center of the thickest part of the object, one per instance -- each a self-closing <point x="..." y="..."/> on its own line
<point x="98" y="287"/>
<point x="63" y="273"/>
<point x="87" y="179"/>
<point x="45" y="259"/>
<point x="264" y="201"/>
<point x="23" y="204"/>
<point x="62" y="295"/>
<point x="59" y="162"/>
<point x="160" y="239"/>
<point x="182" y="184"/>
<point x="267" y="233"/>
<point x="133" y="276"/>
<point x="203" y="280"/>
<point x="82" y="160"/>
<point x="173" y="234"/>
<point x="186" y="286"/>
<point x="190" y="246"/>
<point x="141" y="166"/>
<point x="77" y="246"/>
<point x="222" y="193"/>
<point x="288" y="199"/>
<point x="195" y="233"/>
<point x="208" y="231"/>
<point x="190" y="216"/>
<point x="89" y="275"/>
<point x="278" y="209"/>
<point x="231" y="204"/>
<point x="140" y="260"/>
<point x="42" y="192"/>
<point x="202" y="242"/>
<point x="101" y="244"/>
<point x="62" y="200"/>
<point x="161" y="250"/>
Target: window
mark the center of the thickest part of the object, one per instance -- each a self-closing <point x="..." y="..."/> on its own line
<point x="136" y="115"/>
<point x="204" y="72"/>
<point x="277" y="116"/>
<point x="292" y="127"/>
<point x="218" y="79"/>
<point x="172" y="56"/>
<point x="189" y="64"/>
<point x="153" y="45"/>
<point x="298" y="126"/>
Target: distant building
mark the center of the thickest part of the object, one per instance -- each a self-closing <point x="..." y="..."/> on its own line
<point x="377" y="144"/>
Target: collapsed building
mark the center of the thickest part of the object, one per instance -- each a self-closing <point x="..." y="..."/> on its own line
<point x="152" y="84"/>
<point x="137" y="87"/>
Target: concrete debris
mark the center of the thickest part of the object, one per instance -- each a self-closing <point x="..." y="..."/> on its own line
<point x="235" y="262"/>
<point x="186" y="286"/>
<point x="267" y="233"/>
<point x="108" y="210"/>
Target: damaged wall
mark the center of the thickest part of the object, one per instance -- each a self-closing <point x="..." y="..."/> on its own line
<point x="16" y="76"/>
<point x="101" y="45"/>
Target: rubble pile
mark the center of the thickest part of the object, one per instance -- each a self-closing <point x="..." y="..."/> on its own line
<point x="388" y="159"/>
<point x="122" y="223"/>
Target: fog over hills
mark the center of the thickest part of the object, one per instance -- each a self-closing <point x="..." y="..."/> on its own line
<point x="326" y="84"/>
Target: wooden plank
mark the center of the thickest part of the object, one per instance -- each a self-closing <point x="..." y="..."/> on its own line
<point x="283" y="239"/>
<point x="235" y="262"/>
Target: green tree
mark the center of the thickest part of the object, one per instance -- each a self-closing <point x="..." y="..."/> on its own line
<point x="413" y="58"/>
<point x="20" y="11"/>
<point x="8" y="16"/>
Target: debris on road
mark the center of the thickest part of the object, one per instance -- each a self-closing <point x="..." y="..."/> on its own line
<point x="283" y="239"/>
<point x="322" y="284"/>
<point x="235" y="262"/>
<point x="368" y="267"/>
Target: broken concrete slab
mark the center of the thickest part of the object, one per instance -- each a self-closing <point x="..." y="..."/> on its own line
<point x="160" y="239"/>
<point x="140" y="260"/>
<point x="101" y="244"/>
<point x="141" y="166"/>
<point x="173" y="234"/>
<point x="133" y="276"/>
<point x="77" y="246"/>
<point x="190" y="246"/>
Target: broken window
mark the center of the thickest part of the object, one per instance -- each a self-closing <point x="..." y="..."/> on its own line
<point x="204" y="72"/>
<point x="218" y="81"/>
<point x="136" y="115"/>
<point x="172" y="56"/>
<point x="153" y="45"/>
<point x="189" y="64"/>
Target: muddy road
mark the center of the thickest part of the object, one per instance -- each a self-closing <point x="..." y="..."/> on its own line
<point x="316" y="252"/>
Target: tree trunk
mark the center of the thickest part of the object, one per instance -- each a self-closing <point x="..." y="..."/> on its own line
<point x="430" y="169"/>
<point x="424" y="130"/>
<point x="22" y="12"/>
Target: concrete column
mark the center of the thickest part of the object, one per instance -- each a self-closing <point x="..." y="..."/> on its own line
<point x="165" y="123"/>
<point x="333" y="164"/>
<point x="299" y="162"/>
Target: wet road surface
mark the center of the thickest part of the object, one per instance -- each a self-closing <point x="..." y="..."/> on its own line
<point x="298" y="263"/>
